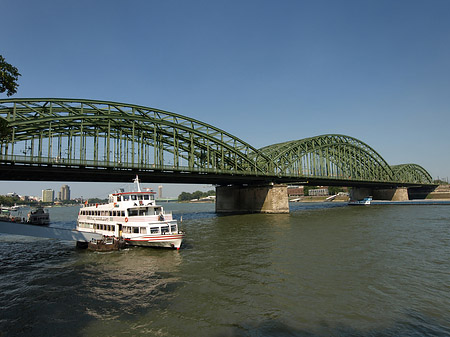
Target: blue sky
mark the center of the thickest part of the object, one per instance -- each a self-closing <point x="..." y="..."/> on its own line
<point x="265" y="71"/>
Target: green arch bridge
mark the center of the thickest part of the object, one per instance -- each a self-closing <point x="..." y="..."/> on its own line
<point x="87" y="140"/>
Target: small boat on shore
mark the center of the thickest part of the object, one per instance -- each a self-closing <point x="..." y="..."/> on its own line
<point x="362" y="202"/>
<point x="134" y="217"/>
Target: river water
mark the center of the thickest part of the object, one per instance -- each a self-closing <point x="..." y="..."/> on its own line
<point x="325" y="269"/>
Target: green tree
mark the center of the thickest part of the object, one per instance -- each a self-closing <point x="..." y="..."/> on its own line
<point x="185" y="196"/>
<point x="8" y="77"/>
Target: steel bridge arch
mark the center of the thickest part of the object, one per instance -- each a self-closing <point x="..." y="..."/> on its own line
<point x="110" y="134"/>
<point x="412" y="173"/>
<point x="331" y="155"/>
<point x="99" y="134"/>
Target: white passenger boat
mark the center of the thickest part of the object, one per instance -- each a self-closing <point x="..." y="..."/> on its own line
<point x="365" y="201"/>
<point x="135" y="217"/>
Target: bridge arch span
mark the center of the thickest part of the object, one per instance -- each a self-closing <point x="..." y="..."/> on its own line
<point x="332" y="155"/>
<point x="100" y="135"/>
<point x="412" y="173"/>
<point x="110" y="134"/>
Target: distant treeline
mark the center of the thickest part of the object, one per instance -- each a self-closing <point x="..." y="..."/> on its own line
<point x="11" y="201"/>
<point x="96" y="201"/>
<point x="185" y="196"/>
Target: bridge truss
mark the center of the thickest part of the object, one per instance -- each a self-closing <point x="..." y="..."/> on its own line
<point x="59" y="137"/>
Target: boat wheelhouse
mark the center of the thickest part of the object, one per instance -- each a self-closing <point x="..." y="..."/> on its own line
<point x="133" y="216"/>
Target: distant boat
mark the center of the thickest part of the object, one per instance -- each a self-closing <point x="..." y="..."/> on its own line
<point x="39" y="217"/>
<point x="362" y="202"/>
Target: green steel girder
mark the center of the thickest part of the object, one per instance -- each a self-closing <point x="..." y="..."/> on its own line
<point x="160" y="132"/>
<point x="329" y="155"/>
<point x="412" y="173"/>
<point x="108" y="134"/>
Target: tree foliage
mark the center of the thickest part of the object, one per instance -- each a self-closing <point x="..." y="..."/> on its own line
<point x="185" y="196"/>
<point x="8" y="77"/>
<point x="10" y="201"/>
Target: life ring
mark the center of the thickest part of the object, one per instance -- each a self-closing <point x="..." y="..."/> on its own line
<point x="126" y="219"/>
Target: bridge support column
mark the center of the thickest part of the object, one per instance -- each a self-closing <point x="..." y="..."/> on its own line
<point x="359" y="193"/>
<point x="393" y="194"/>
<point x="252" y="199"/>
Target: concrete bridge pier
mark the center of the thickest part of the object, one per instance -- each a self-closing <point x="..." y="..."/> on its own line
<point x="267" y="198"/>
<point x="392" y="194"/>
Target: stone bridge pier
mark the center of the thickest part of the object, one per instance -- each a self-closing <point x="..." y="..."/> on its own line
<point x="392" y="194"/>
<point x="267" y="198"/>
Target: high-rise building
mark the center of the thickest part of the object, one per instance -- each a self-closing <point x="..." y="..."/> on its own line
<point x="48" y="195"/>
<point x="160" y="194"/>
<point x="64" y="194"/>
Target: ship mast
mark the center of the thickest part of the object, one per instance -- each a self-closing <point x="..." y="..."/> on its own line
<point x="136" y="181"/>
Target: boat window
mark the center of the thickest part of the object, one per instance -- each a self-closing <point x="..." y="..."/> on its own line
<point x="157" y="210"/>
<point x="154" y="230"/>
<point x="164" y="229"/>
<point x="173" y="228"/>
<point x="136" y="230"/>
<point x="140" y="197"/>
<point x="143" y="230"/>
<point x="123" y="213"/>
<point x="141" y="212"/>
<point x="146" y="197"/>
<point x="119" y="198"/>
<point x="132" y="212"/>
<point x="133" y="197"/>
<point x="126" y="197"/>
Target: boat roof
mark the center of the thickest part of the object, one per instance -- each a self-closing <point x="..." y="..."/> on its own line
<point x="122" y="193"/>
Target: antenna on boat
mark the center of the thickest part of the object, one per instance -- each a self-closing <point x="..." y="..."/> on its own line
<point x="136" y="181"/>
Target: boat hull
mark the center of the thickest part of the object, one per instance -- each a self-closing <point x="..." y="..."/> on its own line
<point x="163" y="241"/>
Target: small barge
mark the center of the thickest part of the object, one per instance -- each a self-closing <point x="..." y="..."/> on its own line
<point x="363" y="202"/>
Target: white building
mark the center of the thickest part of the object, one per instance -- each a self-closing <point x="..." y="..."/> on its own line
<point x="48" y="195"/>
